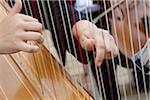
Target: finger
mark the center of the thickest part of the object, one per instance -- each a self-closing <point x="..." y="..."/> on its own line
<point x="111" y="48"/>
<point x="16" y="8"/>
<point x="87" y="43"/>
<point x="33" y="26"/>
<point x="27" y="18"/>
<point x="108" y="41"/>
<point x="33" y="36"/>
<point x="100" y="47"/>
<point x="28" y="47"/>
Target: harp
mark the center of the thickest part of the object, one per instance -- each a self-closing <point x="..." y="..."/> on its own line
<point x="41" y="76"/>
<point x="31" y="87"/>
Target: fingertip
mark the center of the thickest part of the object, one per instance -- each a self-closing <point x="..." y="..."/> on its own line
<point x="35" y="48"/>
<point x="99" y="62"/>
<point x="16" y="8"/>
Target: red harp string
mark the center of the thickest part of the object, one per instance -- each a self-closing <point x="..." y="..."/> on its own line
<point x="80" y="50"/>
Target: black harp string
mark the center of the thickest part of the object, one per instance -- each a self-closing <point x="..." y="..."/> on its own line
<point x="113" y="62"/>
<point x="86" y="52"/>
<point x="25" y="59"/>
<point x="40" y="14"/>
<point x="82" y="83"/>
<point x="95" y="85"/>
<point x="66" y="33"/>
<point x="93" y="92"/>
<point x="70" y="31"/>
<point x="98" y="70"/>
<point x="43" y="66"/>
<point x="80" y="49"/>
<point x="53" y="26"/>
<point x="36" y="66"/>
<point x="43" y="5"/>
<point x="48" y="72"/>
<point x="139" y="43"/>
<point x="87" y="56"/>
<point x="21" y="69"/>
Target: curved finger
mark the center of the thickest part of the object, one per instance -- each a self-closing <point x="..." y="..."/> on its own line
<point x="32" y="26"/>
<point x="87" y="43"/>
<point x="111" y="48"/>
<point x="32" y="36"/>
<point x="100" y="48"/>
<point x="27" y="18"/>
<point x="108" y="42"/>
<point x="16" y="8"/>
<point x="28" y="47"/>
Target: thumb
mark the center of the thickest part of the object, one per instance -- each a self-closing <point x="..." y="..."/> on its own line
<point x="16" y="8"/>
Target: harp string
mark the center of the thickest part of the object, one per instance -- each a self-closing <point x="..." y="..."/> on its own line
<point x="24" y="58"/>
<point x="139" y="43"/>
<point x="86" y="52"/>
<point x="44" y="65"/>
<point x="19" y="77"/>
<point x="49" y="77"/>
<point x="126" y="52"/>
<point x="81" y="55"/>
<point x="70" y="31"/>
<point x="88" y="59"/>
<point x="67" y="38"/>
<point x="49" y="7"/>
<point x="64" y="26"/>
<point x="132" y="47"/>
<point x="107" y="11"/>
<point x="116" y="38"/>
<point x="89" y="64"/>
<point x="19" y="69"/>
<point x="107" y="25"/>
<point x="146" y="28"/>
<point x="126" y="59"/>
<point x="146" y="21"/>
<point x="85" y="49"/>
<point x="3" y="92"/>
<point x="37" y="68"/>
<point x="59" y="76"/>
<point x="99" y="73"/>
<point x="40" y="14"/>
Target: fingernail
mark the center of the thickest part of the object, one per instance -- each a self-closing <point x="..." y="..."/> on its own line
<point x="99" y="63"/>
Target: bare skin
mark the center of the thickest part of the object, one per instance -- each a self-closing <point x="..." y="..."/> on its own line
<point x="127" y="32"/>
<point x="16" y="29"/>
<point x="92" y="37"/>
<point x="23" y="28"/>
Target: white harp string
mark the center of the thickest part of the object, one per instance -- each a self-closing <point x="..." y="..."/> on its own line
<point x="139" y="43"/>
<point x="100" y="84"/>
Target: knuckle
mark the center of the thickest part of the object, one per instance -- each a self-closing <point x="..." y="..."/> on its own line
<point x="40" y="26"/>
<point x="19" y="24"/>
<point x="29" y="49"/>
<point x="39" y="36"/>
